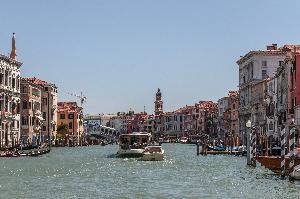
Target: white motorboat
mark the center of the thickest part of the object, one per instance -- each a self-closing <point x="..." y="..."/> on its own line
<point x="184" y="140"/>
<point x="153" y="153"/>
<point x="133" y="144"/>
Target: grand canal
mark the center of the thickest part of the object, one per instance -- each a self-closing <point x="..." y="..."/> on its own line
<point x="94" y="172"/>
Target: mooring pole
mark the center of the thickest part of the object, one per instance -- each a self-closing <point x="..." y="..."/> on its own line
<point x="198" y="148"/>
<point x="253" y="147"/>
<point x="292" y="154"/>
<point x="249" y="149"/>
<point x="282" y="145"/>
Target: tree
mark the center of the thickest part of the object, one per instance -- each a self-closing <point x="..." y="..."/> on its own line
<point x="63" y="128"/>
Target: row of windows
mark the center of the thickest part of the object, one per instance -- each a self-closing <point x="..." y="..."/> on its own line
<point x="70" y="116"/>
<point x="7" y="80"/>
<point x="250" y="75"/>
<point x="31" y="105"/>
<point x="14" y="124"/>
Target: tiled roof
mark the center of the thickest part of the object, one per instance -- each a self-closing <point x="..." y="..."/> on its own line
<point x="233" y="94"/>
<point x="295" y="48"/>
<point x="208" y="106"/>
<point x="34" y="80"/>
<point x="68" y="106"/>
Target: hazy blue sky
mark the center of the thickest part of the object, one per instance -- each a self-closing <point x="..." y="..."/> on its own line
<point x="119" y="52"/>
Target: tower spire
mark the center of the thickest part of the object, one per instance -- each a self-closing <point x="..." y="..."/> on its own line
<point x="13" y="53"/>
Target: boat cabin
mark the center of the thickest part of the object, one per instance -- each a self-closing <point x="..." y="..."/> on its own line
<point x="134" y="140"/>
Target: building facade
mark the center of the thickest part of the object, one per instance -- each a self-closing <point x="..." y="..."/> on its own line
<point x="48" y="107"/>
<point x="10" y="98"/>
<point x="71" y="115"/>
<point x="255" y="66"/>
<point x="31" y="118"/>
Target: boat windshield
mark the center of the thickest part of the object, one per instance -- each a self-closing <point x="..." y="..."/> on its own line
<point x="153" y="149"/>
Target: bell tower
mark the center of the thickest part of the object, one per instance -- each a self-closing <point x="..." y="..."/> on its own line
<point x="13" y="53"/>
<point x="158" y="103"/>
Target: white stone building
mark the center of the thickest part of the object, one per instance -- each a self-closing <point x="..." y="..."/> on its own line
<point x="254" y="66"/>
<point x="10" y="98"/>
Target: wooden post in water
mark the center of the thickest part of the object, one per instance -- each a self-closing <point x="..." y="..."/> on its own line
<point x="282" y="145"/>
<point x="205" y="147"/>
<point x="253" y="146"/>
<point x="202" y="147"/>
<point x="292" y="154"/>
<point x="249" y="149"/>
<point x="266" y="145"/>
<point x="198" y="148"/>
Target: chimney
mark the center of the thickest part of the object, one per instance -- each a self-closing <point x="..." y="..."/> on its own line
<point x="275" y="46"/>
<point x="272" y="47"/>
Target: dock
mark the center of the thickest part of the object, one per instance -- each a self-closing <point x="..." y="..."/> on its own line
<point x="220" y="153"/>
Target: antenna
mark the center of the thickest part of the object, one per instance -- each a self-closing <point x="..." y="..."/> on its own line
<point x="81" y="97"/>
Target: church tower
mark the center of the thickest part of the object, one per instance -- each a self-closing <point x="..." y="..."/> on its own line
<point x="13" y="53"/>
<point x="158" y="103"/>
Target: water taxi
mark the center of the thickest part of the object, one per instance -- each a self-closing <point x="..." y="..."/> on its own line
<point x="153" y="153"/>
<point x="133" y="144"/>
<point x="184" y="140"/>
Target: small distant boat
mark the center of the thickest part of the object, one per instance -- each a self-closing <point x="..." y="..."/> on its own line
<point x="23" y="154"/>
<point x="153" y="153"/>
<point x="216" y="148"/>
<point x="183" y="140"/>
<point x="167" y="141"/>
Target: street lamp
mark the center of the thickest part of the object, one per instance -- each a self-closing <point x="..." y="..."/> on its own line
<point x="248" y="124"/>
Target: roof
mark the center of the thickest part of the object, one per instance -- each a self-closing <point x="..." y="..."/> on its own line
<point x="34" y="80"/>
<point x="68" y="106"/>
<point x="208" y="106"/>
<point x="37" y="81"/>
<point x="272" y="52"/>
<point x="233" y="94"/>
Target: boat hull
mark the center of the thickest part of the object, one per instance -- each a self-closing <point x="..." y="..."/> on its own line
<point x="128" y="153"/>
<point x="153" y="156"/>
<point x="273" y="162"/>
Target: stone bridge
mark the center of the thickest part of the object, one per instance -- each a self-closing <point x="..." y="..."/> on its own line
<point x="103" y="132"/>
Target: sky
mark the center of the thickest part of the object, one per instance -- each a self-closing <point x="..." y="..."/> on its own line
<point x="118" y="52"/>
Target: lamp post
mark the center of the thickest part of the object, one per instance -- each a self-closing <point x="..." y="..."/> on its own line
<point x="248" y="140"/>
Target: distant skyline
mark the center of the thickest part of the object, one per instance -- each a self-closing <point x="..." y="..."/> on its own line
<point x="119" y="52"/>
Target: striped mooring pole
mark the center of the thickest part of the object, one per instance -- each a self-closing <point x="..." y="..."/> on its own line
<point x="292" y="154"/>
<point x="282" y="145"/>
<point x="253" y="147"/>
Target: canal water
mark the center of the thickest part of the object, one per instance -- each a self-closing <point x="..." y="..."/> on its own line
<point x="94" y="172"/>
